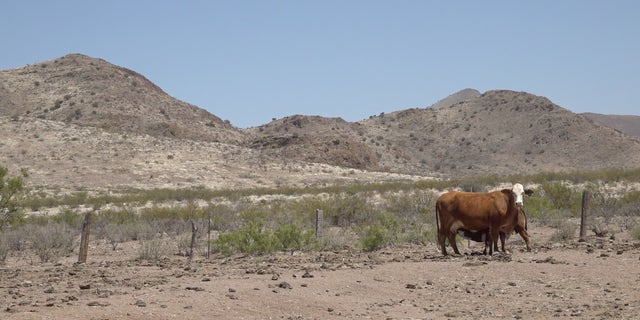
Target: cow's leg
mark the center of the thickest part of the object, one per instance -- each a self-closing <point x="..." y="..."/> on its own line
<point x="494" y="234"/>
<point x="441" y="242"/>
<point x="503" y="239"/>
<point x="525" y="236"/>
<point x="452" y="241"/>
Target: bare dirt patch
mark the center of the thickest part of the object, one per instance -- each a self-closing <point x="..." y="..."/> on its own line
<point x="597" y="279"/>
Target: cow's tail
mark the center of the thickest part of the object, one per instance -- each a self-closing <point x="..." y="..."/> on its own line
<point x="437" y="220"/>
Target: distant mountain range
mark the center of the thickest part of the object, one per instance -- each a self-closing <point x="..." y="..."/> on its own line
<point x="81" y="122"/>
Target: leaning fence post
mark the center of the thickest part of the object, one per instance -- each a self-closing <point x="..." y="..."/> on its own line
<point x="583" y="217"/>
<point x="84" y="238"/>
<point x="319" y="219"/>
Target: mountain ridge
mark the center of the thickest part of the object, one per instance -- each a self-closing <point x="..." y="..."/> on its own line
<point x="147" y="138"/>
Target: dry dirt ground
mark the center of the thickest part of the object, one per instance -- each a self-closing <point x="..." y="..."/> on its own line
<point x="597" y="279"/>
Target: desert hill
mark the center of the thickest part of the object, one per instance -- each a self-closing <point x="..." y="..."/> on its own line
<point x="499" y="132"/>
<point x="82" y="123"/>
<point x="92" y="92"/>
<point x="626" y="124"/>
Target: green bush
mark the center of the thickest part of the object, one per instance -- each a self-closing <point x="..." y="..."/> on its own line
<point x="253" y="237"/>
<point x="561" y="196"/>
<point x="70" y="217"/>
<point x="250" y="238"/>
<point x="291" y="237"/>
<point x="11" y="196"/>
<point x="374" y="238"/>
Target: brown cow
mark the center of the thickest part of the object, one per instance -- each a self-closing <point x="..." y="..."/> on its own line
<point x="521" y="228"/>
<point x="494" y="212"/>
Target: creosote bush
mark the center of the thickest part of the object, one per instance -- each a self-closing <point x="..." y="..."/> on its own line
<point x="255" y="238"/>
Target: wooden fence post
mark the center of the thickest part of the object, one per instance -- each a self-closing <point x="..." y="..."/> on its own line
<point x="84" y="238"/>
<point x="583" y="217"/>
<point x="319" y="220"/>
<point x="194" y="231"/>
<point x="209" y="235"/>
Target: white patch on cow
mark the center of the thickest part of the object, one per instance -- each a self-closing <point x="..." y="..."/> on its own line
<point x="518" y="191"/>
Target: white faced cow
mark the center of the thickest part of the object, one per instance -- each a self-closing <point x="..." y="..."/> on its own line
<point x="491" y="212"/>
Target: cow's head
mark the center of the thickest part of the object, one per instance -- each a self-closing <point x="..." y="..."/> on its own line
<point x="519" y="192"/>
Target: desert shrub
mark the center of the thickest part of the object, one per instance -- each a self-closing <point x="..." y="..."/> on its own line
<point x="154" y="249"/>
<point x="223" y="218"/>
<point x="374" y="238"/>
<point x="254" y="213"/>
<point x="347" y="210"/>
<point x="290" y="237"/>
<point x="337" y="238"/>
<point x="252" y="237"/>
<point x="123" y="216"/>
<point x="416" y="206"/>
<point x="384" y="231"/>
<point x="552" y="218"/>
<point x="72" y="218"/>
<point x="52" y="241"/>
<point x="142" y="231"/>
<point x="4" y="249"/>
<point x="630" y="204"/>
<point x="11" y="197"/>
<point x="561" y="196"/>
<point x="114" y="234"/>
<point x="430" y="235"/>
<point x="635" y="232"/>
<point x="565" y="231"/>
<point x="604" y="206"/>
<point x="16" y="239"/>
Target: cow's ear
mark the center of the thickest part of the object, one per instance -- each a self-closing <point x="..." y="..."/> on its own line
<point x="528" y="192"/>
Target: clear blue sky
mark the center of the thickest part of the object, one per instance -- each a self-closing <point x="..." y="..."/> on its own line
<point x="251" y="61"/>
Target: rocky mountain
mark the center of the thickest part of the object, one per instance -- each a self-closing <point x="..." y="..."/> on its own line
<point x="82" y="123"/>
<point x="462" y="95"/>
<point x="626" y="124"/>
<point x="499" y="132"/>
<point x="87" y="91"/>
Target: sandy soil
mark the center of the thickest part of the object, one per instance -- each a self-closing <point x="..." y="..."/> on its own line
<point x="597" y="279"/>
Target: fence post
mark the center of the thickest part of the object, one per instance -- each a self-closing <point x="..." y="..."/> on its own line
<point x="319" y="219"/>
<point x="583" y="217"/>
<point x="194" y="231"/>
<point x="208" y="235"/>
<point x="84" y="238"/>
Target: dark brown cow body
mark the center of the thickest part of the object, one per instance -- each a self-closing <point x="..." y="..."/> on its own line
<point x="492" y="212"/>
<point x="483" y="236"/>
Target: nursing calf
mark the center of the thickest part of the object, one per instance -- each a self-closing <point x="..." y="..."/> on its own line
<point x="492" y="212"/>
<point x="521" y="228"/>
